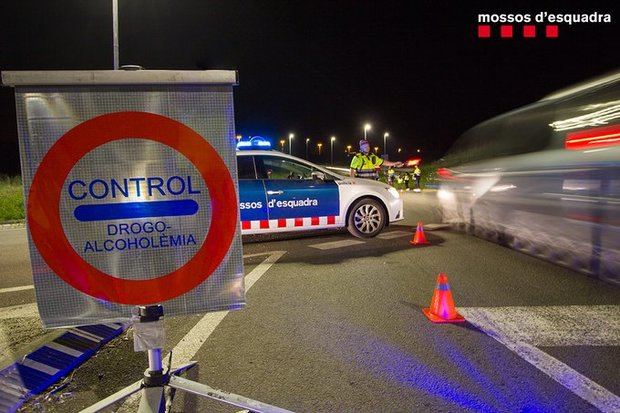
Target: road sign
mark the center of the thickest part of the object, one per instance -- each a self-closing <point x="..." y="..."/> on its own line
<point x="131" y="192"/>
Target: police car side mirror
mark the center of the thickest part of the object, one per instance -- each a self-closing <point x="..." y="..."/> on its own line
<point x="318" y="176"/>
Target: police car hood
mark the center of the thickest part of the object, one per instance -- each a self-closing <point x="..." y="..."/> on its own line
<point x="365" y="182"/>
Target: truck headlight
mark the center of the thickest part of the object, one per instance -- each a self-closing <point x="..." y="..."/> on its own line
<point x="394" y="193"/>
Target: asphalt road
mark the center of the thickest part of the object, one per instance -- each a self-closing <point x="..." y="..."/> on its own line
<point x="333" y="326"/>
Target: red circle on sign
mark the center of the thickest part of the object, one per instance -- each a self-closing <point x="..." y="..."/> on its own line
<point x="44" y="207"/>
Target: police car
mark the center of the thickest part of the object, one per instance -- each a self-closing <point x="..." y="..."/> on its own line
<point x="281" y="193"/>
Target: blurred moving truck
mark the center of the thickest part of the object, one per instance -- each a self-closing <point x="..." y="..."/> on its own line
<point x="544" y="179"/>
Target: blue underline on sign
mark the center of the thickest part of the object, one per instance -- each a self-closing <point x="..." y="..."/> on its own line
<point x="151" y="209"/>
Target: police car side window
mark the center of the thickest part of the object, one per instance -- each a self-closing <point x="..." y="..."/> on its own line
<point x="245" y="167"/>
<point x="274" y="167"/>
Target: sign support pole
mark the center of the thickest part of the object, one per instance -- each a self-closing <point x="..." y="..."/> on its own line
<point x="155" y="380"/>
<point x="115" y="32"/>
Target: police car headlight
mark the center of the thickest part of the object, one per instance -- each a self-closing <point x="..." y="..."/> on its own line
<point x="394" y="193"/>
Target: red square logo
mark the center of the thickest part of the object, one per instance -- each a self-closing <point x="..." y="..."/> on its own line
<point x="505" y="31"/>
<point x="551" y="31"/>
<point x="529" y="31"/>
<point x="484" y="31"/>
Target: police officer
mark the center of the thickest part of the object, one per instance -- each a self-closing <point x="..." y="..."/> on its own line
<point x="390" y="175"/>
<point x="406" y="178"/>
<point x="364" y="164"/>
<point x="417" y="174"/>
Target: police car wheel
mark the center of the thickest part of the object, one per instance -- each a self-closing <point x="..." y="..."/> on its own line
<point x="367" y="218"/>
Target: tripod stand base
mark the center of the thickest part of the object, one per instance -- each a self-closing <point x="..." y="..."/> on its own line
<point x="131" y="389"/>
<point x="114" y="398"/>
<point x="203" y="390"/>
<point x="149" y="336"/>
<point x="152" y="398"/>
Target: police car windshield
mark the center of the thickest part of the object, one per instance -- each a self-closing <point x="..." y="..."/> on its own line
<point x="273" y="167"/>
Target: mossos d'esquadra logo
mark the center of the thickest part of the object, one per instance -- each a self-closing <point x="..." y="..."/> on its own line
<point x="531" y="25"/>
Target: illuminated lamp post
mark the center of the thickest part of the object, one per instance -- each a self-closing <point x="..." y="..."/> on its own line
<point x="307" y="142"/>
<point x="282" y="142"/>
<point x="319" y="145"/>
<point x="331" y="154"/>
<point x="367" y="127"/>
<point x="290" y="138"/>
<point x="385" y="136"/>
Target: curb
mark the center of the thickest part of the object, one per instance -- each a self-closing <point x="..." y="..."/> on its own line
<point x="12" y="224"/>
<point x="46" y="365"/>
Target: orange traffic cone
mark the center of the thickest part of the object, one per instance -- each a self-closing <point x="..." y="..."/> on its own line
<point x="419" y="238"/>
<point x="442" y="308"/>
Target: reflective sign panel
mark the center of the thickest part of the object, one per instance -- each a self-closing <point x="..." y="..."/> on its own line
<point x="132" y="198"/>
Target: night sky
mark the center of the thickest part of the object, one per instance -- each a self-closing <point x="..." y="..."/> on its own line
<point x="319" y="68"/>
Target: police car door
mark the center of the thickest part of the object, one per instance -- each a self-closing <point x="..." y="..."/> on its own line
<point x="294" y="197"/>
<point x="252" y="200"/>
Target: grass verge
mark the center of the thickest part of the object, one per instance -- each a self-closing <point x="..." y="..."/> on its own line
<point x="11" y="199"/>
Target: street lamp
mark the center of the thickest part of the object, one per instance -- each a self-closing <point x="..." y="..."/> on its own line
<point x="239" y="137"/>
<point x="385" y="136"/>
<point x="282" y="142"/>
<point x="419" y="150"/>
<point x="331" y="141"/>
<point x="319" y="145"/>
<point x="376" y="149"/>
<point x="290" y="138"/>
<point x="349" y="148"/>
<point x="367" y="127"/>
<point x="307" y="141"/>
<point x="400" y="150"/>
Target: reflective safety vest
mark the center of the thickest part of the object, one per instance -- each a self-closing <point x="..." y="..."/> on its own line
<point x="365" y="165"/>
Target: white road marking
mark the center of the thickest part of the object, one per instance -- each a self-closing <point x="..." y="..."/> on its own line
<point x="575" y="325"/>
<point x="86" y="335"/>
<point x="394" y="234"/>
<point x="64" y="349"/>
<point x="12" y="227"/>
<point x="14" y="389"/>
<point x="15" y="289"/>
<point x="433" y="227"/>
<point x="39" y="366"/>
<point x="336" y="244"/>
<point x="111" y="325"/>
<point x="258" y="254"/>
<point x="504" y="324"/>
<point x="189" y="345"/>
<point x="19" y="311"/>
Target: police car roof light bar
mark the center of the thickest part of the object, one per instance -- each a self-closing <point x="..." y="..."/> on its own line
<point x="255" y="142"/>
